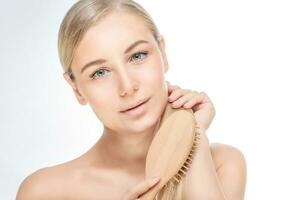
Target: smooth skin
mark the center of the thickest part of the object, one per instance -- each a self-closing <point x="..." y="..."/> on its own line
<point x="113" y="169"/>
<point x="223" y="167"/>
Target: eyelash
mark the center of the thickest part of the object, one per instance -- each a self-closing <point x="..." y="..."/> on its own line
<point x="137" y="53"/>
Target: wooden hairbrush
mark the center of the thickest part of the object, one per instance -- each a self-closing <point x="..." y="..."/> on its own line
<point x="171" y="150"/>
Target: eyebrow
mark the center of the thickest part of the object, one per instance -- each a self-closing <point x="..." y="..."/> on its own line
<point x="100" y="61"/>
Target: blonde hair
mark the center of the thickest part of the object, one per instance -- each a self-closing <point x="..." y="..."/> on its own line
<point x="86" y="13"/>
<point x="81" y="16"/>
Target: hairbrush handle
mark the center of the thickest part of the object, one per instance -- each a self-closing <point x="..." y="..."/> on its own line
<point x="170" y="148"/>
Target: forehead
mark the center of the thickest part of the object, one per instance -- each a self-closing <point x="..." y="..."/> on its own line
<point x="111" y="35"/>
<point x="117" y="29"/>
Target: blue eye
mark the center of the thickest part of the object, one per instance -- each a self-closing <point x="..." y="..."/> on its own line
<point x="139" y="56"/>
<point x="135" y="56"/>
<point x="93" y="75"/>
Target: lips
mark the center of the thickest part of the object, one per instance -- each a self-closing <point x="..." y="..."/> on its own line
<point x="135" y="105"/>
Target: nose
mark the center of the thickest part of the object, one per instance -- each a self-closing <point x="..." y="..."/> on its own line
<point x="127" y="85"/>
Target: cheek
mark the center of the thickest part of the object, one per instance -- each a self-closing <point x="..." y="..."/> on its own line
<point x="100" y="99"/>
<point x="104" y="106"/>
<point x="153" y="75"/>
<point x="153" y="81"/>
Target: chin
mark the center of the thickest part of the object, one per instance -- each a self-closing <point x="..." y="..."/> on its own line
<point x="138" y="126"/>
<point x="149" y="120"/>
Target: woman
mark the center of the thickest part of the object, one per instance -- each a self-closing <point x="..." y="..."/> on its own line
<point x="114" y="59"/>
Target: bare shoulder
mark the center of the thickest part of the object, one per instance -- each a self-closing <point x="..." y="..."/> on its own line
<point x="227" y="153"/>
<point x="231" y="168"/>
<point x="45" y="183"/>
<point x="36" y="185"/>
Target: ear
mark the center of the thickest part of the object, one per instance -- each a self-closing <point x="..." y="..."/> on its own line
<point x="162" y="47"/>
<point x="76" y="91"/>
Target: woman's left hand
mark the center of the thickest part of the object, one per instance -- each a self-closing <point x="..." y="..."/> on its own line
<point x="200" y="103"/>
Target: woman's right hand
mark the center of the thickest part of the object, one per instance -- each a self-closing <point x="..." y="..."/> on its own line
<point x="140" y="189"/>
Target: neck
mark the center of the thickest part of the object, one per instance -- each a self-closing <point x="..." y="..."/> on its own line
<point x="126" y="150"/>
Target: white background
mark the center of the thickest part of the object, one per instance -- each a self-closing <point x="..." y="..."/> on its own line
<point x="244" y="54"/>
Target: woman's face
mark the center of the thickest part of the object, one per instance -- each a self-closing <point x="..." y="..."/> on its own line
<point x="123" y="75"/>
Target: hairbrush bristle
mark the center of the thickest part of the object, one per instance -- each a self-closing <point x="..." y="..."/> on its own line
<point x="185" y="167"/>
<point x="171" y="151"/>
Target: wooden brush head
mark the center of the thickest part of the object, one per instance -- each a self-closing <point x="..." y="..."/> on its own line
<point x="170" y="147"/>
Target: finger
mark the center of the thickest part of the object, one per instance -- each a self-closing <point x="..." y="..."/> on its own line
<point x="192" y="102"/>
<point x="176" y="94"/>
<point x="205" y="97"/>
<point x="172" y="88"/>
<point x="143" y="187"/>
<point x="183" y="99"/>
<point x="199" y="101"/>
